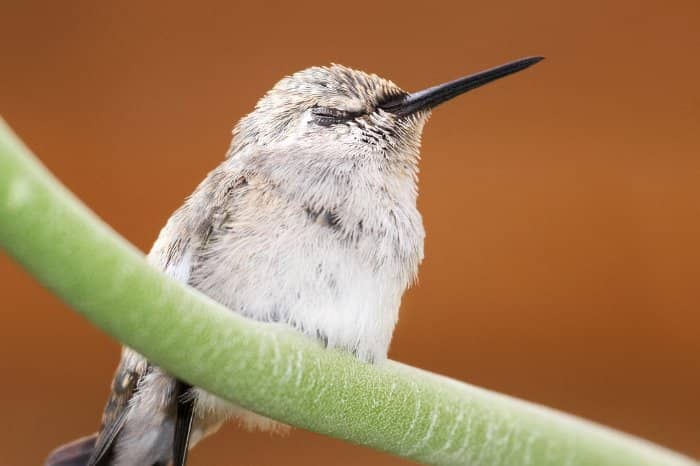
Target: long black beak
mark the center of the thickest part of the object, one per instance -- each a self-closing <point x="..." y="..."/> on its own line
<point x="434" y="96"/>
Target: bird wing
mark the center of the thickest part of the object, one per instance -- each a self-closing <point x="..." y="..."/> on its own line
<point x="200" y="221"/>
<point x="184" y="415"/>
<point x="183" y="238"/>
<point x="124" y="385"/>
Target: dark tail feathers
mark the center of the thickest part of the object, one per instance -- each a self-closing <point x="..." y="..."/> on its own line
<point x="75" y="453"/>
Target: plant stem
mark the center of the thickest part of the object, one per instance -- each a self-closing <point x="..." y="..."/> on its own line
<point x="271" y="369"/>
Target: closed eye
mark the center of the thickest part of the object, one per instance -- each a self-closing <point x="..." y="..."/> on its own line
<point x="327" y="116"/>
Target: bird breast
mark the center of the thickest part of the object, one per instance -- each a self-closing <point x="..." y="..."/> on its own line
<point x="332" y="273"/>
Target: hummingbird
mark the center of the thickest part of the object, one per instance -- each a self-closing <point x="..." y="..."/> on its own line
<point x="309" y="221"/>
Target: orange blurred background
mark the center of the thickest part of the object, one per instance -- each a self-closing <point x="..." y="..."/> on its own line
<point x="562" y="205"/>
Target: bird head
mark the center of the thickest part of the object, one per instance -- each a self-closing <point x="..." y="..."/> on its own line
<point x="330" y="120"/>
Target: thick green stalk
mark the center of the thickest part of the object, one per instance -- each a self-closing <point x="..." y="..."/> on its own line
<point x="273" y="370"/>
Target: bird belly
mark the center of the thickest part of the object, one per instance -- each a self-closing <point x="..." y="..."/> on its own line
<point x="320" y="289"/>
<point x="326" y="293"/>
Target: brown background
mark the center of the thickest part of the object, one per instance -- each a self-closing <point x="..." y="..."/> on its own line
<point x="562" y="205"/>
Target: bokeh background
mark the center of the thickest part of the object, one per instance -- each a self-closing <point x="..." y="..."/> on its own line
<point x="562" y="205"/>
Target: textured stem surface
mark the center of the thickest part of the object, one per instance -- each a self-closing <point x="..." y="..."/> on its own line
<point x="273" y="370"/>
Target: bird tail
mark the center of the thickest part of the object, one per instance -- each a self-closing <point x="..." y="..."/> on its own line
<point x="75" y="453"/>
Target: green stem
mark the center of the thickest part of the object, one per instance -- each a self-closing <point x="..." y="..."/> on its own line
<point x="271" y="369"/>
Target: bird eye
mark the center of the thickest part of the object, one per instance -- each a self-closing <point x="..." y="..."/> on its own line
<point x="327" y="116"/>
